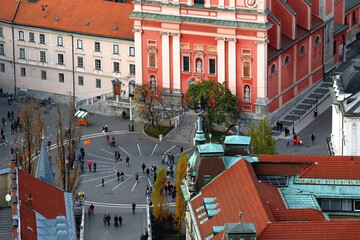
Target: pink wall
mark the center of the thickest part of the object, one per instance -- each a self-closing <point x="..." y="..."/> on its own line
<point x="316" y="57"/>
<point x="273" y="80"/>
<point x="286" y="17"/>
<point x="273" y="34"/>
<point x="328" y="7"/>
<point x="303" y="60"/>
<point x="339" y="12"/>
<point x="303" y="13"/>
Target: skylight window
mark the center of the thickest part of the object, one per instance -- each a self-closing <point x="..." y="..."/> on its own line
<point x="87" y="24"/>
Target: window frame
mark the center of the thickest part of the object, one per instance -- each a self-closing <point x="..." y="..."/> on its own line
<point x="43" y="75"/>
<point x="286" y="60"/>
<point x="273" y="69"/>
<point x="60" y="41"/>
<point x="97" y="47"/>
<point x="115" y="49"/>
<point x="31" y="37"/>
<point x="132" y="51"/>
<point x="42" y="56"/>
<point x="22" y="72"/>
<point x="98" y="64"/>
<point x="2" y="49"/>
<point x="210" y="66"/>
<point x="354" y="206"/>
<point x="81" y="80"/>
<point x="317" y="41"/>
<point x="21" y="36"/>
<point x="188" y="64"/>
<point x="244" y="68"/>
<point x="116" y="69"/>
<point x="61" y="78"/>
<point x="2" y="67"/>
<point x="98" y="83"/>
<point x="42" y="38"/>
<point x="79" y="44"/>
<point x="131" y="65"/>
<point x="1" y="32"/>
<point x="60" y="57"/>
<point x="80" y="63"/>
<point x="302" y="50"/>
<point x="22" y="54"/>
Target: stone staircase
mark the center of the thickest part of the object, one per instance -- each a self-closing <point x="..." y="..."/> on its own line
<point x="185" y="132"/>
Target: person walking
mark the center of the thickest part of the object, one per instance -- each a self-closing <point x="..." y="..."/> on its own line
<point x="92" y="207"/>
<point x="89" y="165"/>
<point x="137" y="177"/>
<point x="90" y="212"/>
<point x="120" y="220"/>
<point x="116" y="219"/>
<point x="143" y="166"/>
<point x="162" y="158"/>
<point x="312" y="139"/>
<point x="133" y="207"/>
<point x="102" y="182"/>
<point x="122" y="176"/>
<point x="127" y="161"/>
<point x="94" y="164"/>
<point x="116" y="155"/>
<point x="105" y="219"/>
<point x="147" y="172"/>
<point x="287" y="142"/>
<point x="118" y="176"/>
<point x="108" y="218"/>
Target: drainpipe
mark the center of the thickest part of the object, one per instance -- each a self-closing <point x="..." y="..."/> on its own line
<point x="73" y="67"/>
<point x="14" y="65"/>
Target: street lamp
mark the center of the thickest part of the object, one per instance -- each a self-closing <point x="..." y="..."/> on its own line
<point x="293" y="123"/>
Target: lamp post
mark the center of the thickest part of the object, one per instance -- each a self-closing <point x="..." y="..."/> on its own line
<point x="131" y="127"/>
<point x="293" y="123"/>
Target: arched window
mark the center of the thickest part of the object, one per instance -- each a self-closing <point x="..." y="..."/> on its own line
<point x="302" y="50"/>
<point x="287" y="60"/>
<point x="153" y="82"/>
<point x="317" y="40"/>
<point x="273" y="69"/>
<point x="247" y="93"/>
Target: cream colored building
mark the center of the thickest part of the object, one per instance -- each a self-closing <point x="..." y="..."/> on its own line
<point x="56" y="53"/>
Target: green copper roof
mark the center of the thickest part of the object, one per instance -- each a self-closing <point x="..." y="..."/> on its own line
<point x="211" y="148"/>
<point x="237" y="140"/>
<point x="231" y="160"/>
<point x="185" y="193"/>
<point x="192" y="160"/>
<point x="349" y="4"/>
<point x="295" y="198"/>
<point x="273" y="16"/>
<point x="212" y="21"/>
<point x="217" y="229"/>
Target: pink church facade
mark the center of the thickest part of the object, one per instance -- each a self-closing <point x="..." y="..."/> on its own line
<point x="268" y="52"/>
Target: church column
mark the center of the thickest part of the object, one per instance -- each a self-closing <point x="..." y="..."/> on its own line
<point x="176" y="62"/>
<point x="165" y="56"/>
<point x="261" y="103"/>
<point x="221" y="58"/>
<point x="232" y="65"/>
<point x="138" y="58"/>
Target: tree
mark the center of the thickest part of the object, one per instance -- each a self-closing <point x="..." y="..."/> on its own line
<point x="67" y="140"/>
<point x="160" y="208"/>
<point x="180" y="201"/>
<point x="151" y="106"/>
<point x="217" y="102"/>
<point x="262" y="141"/>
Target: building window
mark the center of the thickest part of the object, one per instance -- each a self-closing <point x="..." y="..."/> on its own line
<point x="116" y="67"/>
<point x="116" y="49"/>
<point x="356" y="205"/>
<point x="42" y="56"/>
<point x="287" y="60"/>
<point x="317" y="41"/>
<point x="346" y="205"/>
<point x="212" y="66"/>
<point x="80" y="62"/>
<point x="22" y="53"/>
<point x="353" y="18"/>
<point x="59" y="41"/>
<point x="2" y="67"/>
<point x="61" y="77"/>
<point x="98" y="83"/>
<point x="334" y="48"/>
<point x="60" y="59"/>
<point x="42" y="38"/>
<point x="23" y="72"/>
<point x="97" y="64"/>
<point x="207" y="178"/>
<point x="152" y="83"/>
<point x="273" y="69"/>
<point x="247" y="93"/>
<point x="346" y="21"/>
<point x="199" y="2"/>
<point x="43" y="75"/>
<point x="1" y="32"/>
<point x="330" y="204"/>
<point x="21" y="35"/>
<point x="152" y="60"/>
<point x="81" y="80"/>
<point x="31" y="37"/>
<point x="132" y="51"/>
<point x="2" y="51"/>
<point x="79" y="44"/>
<point x="97" y="47"/>
<point x="186" y="64"/>
<point x="132" y="69"/>
<point x="302" y="50"/>
<point x="246" y="69"/>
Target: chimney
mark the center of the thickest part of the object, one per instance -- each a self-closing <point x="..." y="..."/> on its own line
<point x="240" y="215"/>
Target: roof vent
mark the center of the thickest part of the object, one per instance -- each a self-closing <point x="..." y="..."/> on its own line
<point x="351" y="158"/>
<point x="87" y="24"/>
<point x="116" y="28"/>
<point x="56" y="19"/>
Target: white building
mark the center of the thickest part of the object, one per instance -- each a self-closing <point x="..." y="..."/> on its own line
<point x="345" y="95"/>
<point x="86" y="53"/>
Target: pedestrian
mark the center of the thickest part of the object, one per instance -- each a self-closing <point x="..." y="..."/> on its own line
<point x="116" y="221"/>
<point x="89" y="165"/>
<point x="94" y="164"/>
<point x="90" y="212"/>
<point x="3" y="120"/>
<point x="108" y="139"/>
<point x="12" y="150"/>
<point x="105" y="219"/>
<point x="277" y="126"/>
<point x="143" y="166"/>
<point x="133" y="207"/>
<point x="8" y="115"/>
<point x="116" y="155"/>
<point x="287" y="141"/>
<point x="106" y="129"/>
<point x="103" y="131"/>
<point x="312" y="139"/>
<point x="281" y="126"/>
<point x="127" y="161"/>
<point x="102" y="181"/>
<point x="122" y="176"/>
<point x="147" y="190"/>
<point x="181" y="149"/>
<point x="147" y="172"/>
<point x="155" y="176"/>
<point x="92" y="207"/>
<point x="162" y="158"/>
<point x="137" y="177"/>
<point x="120" y="220"/>
<point x="118" y="175"/>
<point x="108" y="218"/>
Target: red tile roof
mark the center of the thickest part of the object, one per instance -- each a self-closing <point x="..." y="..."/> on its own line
<point x="303" y="215"/>
<point x="102" y="16"/>
<point x="238" y="190"/>
<point x="315" y="230"/>
<point x="7" y="9"/>
<point x="276" y="169"/>
<point x="46" y="199"/>
<point x="326" y="167"/>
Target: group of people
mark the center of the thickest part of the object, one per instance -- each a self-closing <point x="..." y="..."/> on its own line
<point x="296" y="140"/>
<point x="117" y="220"/>
<point x="112" y="143"/>
<point x="14" y="124"/>
<point x="117" y="156"/>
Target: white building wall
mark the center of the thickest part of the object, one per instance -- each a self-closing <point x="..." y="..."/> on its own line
<point x="7" y="77"/>
<point x="336" y="133"/>
<point x="33" y="65"/>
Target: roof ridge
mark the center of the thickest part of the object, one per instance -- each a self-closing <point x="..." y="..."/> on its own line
<point x="307" y="169"/>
